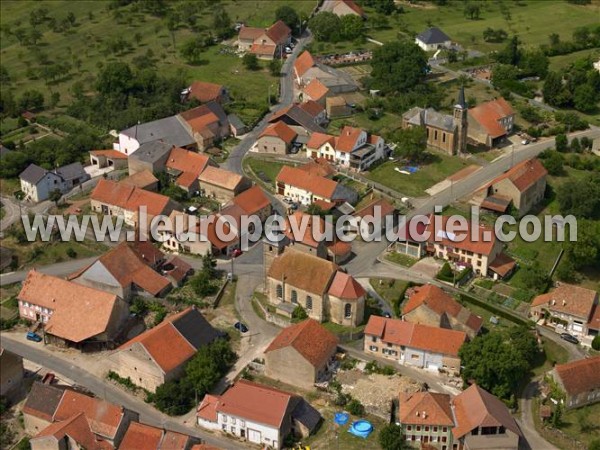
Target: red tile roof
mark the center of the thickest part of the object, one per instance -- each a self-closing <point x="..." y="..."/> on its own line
<point x="316" y="90"/>
<point x="502" y="265"/>
<point x="311" y="107"/>
<point x="305" y="228"/>
<point x="142" y="180"/>
<point x="112" y="154"/>
<point x="140" y="436"/>
<point x="263" y="49"/>
<point x="130" y="198"/>
<point x="317" y="140"/>
<point x="205" y="92"/>
<point x="385" y="209"/>
<point x="252" y="200"/>
<point x="432" y="339"/>
<point x="280" y="130"/>
<point x="220" y="177"/>
<point x="488" y="115"/>
<point x="255" y="402"/>
<point x="303" y="271"/>
<point x="279" y="32"/>
<point x="339" y="248"/>
<point x="344" y="286"/>
<point x="476" y="407"/>
<point x="304" y="62"/>
<point x="580" y="376"/>
<point x="425" y="408"/>
<point x="250" y="33"/>
<point x="190" y="163"/>
<point x="309" y="338"/>
<point x="207" y="409"/>
<point x="353" y="6"/>
<point x="319" y="186"/>
<point x="318" y="167"/>
<point x="569" y="299"/>
<point x="79" y="312"/>
<point x="348" y="137"/>
<point x="77" y="428"/>
<point x="103" y="417"/>
<point x="478" y="245"/>
<point x="524" y="174"/>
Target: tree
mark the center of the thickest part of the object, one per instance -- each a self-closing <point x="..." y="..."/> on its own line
<point x="115" y="79"/>
<point x="554" y="39"/>
<point x="580" y="197"/>
<point x="299" y="314"/>
<point x="353" y="27"/>
<point x="174" y="397"/>
<point x="55" y="196"/>
<point x="596" y="346"/>
<point x="250" y="61"/>
<point x="222" y="23"/>
<point x="585" y="251"/>
<point x="584" y="98"/>
<point x="325" y="26"/>
<point x="209" y="364"/>
<point x="561" y="142"/>
<point x="192" y="50"/>
<point x="288" y="15"/>
<point x="391" y="437"/>
<point x="586" y="143"/>
<point x="511" y="54"/>
<point x="534" y="62"/>
<point x="355" y="407"/>
<point x="398" y="66"/>
<point x="209" y="264"/>
<point x="71" y="18"/>
<point x="554" y="163"/>
<point x="535" y="277"/>
<point x="472" y="11"/>
<point x="31" y="99"/>
<point x="412" y="143"/>
<point x="54" y="99"/>
<point x="275" y="67"/>
<point x="553" y="89"/>
<point x="575" y="145"/>
<point x="201" y="284"/>
<point x="503" y="73"/>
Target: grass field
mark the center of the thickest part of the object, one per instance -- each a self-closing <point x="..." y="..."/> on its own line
<point x="531" y="20"/>
<point x="384" y="125"/>
<point x="562" y="61"/>
<point x="440" y="167"/>
<point x="263" y="170"/>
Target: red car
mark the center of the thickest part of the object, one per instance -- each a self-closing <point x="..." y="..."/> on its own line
<point x="237" y="252"/>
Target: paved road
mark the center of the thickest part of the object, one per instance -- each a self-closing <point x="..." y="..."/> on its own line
<point x="111" y="393"/>
<point x="534" y="440"/>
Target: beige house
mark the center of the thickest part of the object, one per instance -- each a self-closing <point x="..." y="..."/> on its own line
<point x="523" y="186"/>
<point x="222" y="185"/>
<point x="265" y="43"/>
<point x="491" y="122"/>
<point x="346" y="7"/>
<point x="159" y="354"/>
<point x="173" y="242"/>
<point x="579" y="381"/>
<point x="277" y="138"/>
<point x="108" y="158"/>
<point x="301" y="354"/>
<point x="11" y="373"/>
<point x="296" y="278"/>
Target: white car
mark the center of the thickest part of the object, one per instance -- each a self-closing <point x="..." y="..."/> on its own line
<point x="288" y="50"/>
<point x="525" y="141"/>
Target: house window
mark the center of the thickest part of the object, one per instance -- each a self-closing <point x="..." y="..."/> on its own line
<point x="435" y="135"/>
<point x="373" y="348"/>
<point x="279" y="291"/>
<point x="294" y="296"/>
<point x="418" y="427"/>
<point x="309" y="302"/>
<point x="409" y="428"/>
<point x="443" y="137"/>
<point x="373" y="338"/>
<point x="426" y="428"/>
<point x="445" y="429"/>
<point x="348" y="310"/>
<point x="224" y="418"/>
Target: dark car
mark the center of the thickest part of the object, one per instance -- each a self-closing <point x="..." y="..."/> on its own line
<point x="31" y="336"/>
<point x="241" y="327"/>
<point x="569" y="338"/>
<point x="387" y="315"/>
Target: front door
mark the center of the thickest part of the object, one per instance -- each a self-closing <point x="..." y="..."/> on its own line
<point x="254" y="436"/>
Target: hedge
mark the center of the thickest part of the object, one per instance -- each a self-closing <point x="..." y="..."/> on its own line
<point x="496" y="311"/>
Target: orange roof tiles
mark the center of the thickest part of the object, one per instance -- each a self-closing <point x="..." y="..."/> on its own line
<point x="580" y="376"/>
<point x="524" y="174"/>
<point x="319" y="186"/>
<point x="252" y="200"/>
<point x="79" y="312"/>
<point x="279" y="32"/>
<point x="348" y="137"/>
<point x="250" y="33"/>
<point x="316" y="90"/>
<point x="502" y="265"/>
<point x="425" y="408"/>
<point x="318" y="167"/>
<point x="353" y="6"/>
<point x="569" y="299"/>
<point x="317" y="140"/>
<point x="263" y="49"/>
<point x="207" y="409"/>
<point x="385" y="209"/>
<point x="140" y="436"/>
<point x="77" y="428"/>
<point x="190" y="163"/>
<point x="309" y="338"/>
<point x="311" y="107"/>
<point x="220" y="177"/>
<point x="280" y="130"/>
<point x="305" y="228"/>
<point x="489" y="114"/>
<point x="304" y="62"/>
<point x="205" y="92"/>
<point x="141" y="179"/>
<point x="478" y="245"/>
<point x="103" y="417"/>
<point x="112" y="154"/>
<point x="130" y="198"/>
<point x="302" y="270"/>
<point x="344" y="286"/>
<point x="339" y="248"/>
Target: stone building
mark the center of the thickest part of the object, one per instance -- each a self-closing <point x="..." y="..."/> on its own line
<point x="579" y="381"/>
<point x="222" y="185"/>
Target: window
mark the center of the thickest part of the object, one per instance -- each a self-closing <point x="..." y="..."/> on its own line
<point x="409" y="428"/>
<point x="309" y="302"/>
<point x="435" y="135"/>
<point x="443" y="137"/>
<point x="435" y="429"/>
<point x="444" y="438"/>
<point x="294" y="296"/>
<point x="373" y="348"/>
<point x="233" y="420"/>
<point x="414" y="356"/>
<point x="418" y="427"/>
<point x="445" y="430"/>
<point x="224" y="418"/>
<point x="279" y="291"/>
<point x="373" y="338"/>
<point x="348" y="310"/>
<point x="426" y="428"/>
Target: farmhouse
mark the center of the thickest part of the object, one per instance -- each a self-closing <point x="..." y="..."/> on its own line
<point x="277" y="138"/>
<point x="579" y="381"/>
<point x="70" y="314"/>
<point x="222" y="185"/>
<point x="159" y="354"/>
<point x="265" y="43"/>
<point x="491" y="122"/>
<point x="144" y="436"/>
<point x="433" y="39"/>
<point x="208" y="124"/>
<point x="38" y="183"/>
<point x="170" y="130"/>
<point x="426" y="417"/>
<point x="301" y="354"/>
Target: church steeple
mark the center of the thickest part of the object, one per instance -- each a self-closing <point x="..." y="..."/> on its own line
<point x="461" y="121"/>
<point x="461" y="98"/>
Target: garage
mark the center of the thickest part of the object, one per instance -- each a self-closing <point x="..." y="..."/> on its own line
<point x="432" y="366"/>
<point x="254" y="436"/>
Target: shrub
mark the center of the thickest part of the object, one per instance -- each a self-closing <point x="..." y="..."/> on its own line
<point x="355" y="407"/>
<point x="71" y="253"/>
<point x="299" y="314"/>
<point x="596" y="343"/>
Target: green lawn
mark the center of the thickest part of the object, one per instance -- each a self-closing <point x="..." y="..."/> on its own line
<point x="263" y="170"/>
<point x="437" y="169"/>
<point x="573" y="423"/>
<point x="401" y="259"/>
<point x="384" y="125"/>
<point x="388" y="288"/>
<point x="562" y="61"/>
<point x="531" y="20"/>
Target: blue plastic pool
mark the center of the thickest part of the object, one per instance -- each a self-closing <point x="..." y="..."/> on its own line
<point x="341" y="418"/>
<point x="361" y="428"/>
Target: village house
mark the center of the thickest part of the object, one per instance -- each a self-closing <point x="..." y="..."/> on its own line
<point x="74" y="432"/>
<point x="142" y="180"/>
<point x="258" y="414"/>
<point x="171" y="130"/>
<point x="108" y="158"/>
<point x="38" y="183"/>
<point x="336" y="107"/>
<point x="412" y="344"/>
<point x="48" y="405"/>
<point x="429" y="305"/>
<point x="579" y="381"/>
<point x="353" y="149"/>
<point x="444" y="132"/>
<point x="433" y="39"/>
<point x="208" y="124"/>
<point x="569" y="308"/>
<point x="265" y="43"/>
<point x="159" y="354"/>
<point x="326" y="293"/>
<point x="301" y="354"/>
<point x="315" y="110"/>
<point x="11" y="374"/>
<point x="70" y="314"/>
<point x="222" y="185"/>
<point x="375" y="216"/>
<point x="523" y="186"/>
<point x="184" y="168"/>
<point x="306" y="188"/>
<point x="316" y="91"/>
<point x="330" y="81"/>
<point x="426" y="418"/>
<point x="134" y="268"/>
<point x="301" y="119"/>
<point x="254" y="202"/>
<point x="276" y="138"/>
<point x="481" y="250"/>
<point x="491" y="122"/>
<point x="142" y="436"/>
<point x="302" y="63"/>
<point x="113" y="198"/>
<point x="236" y="126"/>
<point x="205" y="92"/>
<point x="151" y="157"/>
<point x="345" y="7"/>
<point x="196" y="244"/>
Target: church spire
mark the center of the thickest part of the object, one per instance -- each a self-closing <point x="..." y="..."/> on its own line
<point x="461" y="98"/>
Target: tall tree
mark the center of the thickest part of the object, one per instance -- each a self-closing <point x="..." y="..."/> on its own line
<point x="391" y="437"/>
<point x="289" y="16"/>
<point x="325" y="26"/>
<point x="411" y="143"/>
<point x="398" y="66"/>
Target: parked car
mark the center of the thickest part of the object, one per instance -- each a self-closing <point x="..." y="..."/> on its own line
<point x="242" y="328"/>
<point x="387" y="315"/>
<point x="288" y="200"/>
<point x="237" y="252"/>
<point x="525" y="141"/>
<point x="569" y="338"/>
<point x="31" y="336"/>
<point x="294" y="206"/>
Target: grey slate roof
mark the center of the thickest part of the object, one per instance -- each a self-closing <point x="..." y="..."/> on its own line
<point x="430" y="117"/>
<point x="297" y="116"/>
<point x="345" y="193"/>
<point x="236" y="122"/>
<point x="43" y="400"/>
<point x="306" y="415"/>
<point x="196" y="329"/>
<point x="33" y="174"/>
<point x="151" y="152"/>
<point x="433" y="36"/>
<point x="71" y="171"/>
<point x="168" y="129"/>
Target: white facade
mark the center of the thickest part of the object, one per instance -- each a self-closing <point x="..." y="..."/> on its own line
<point x="34" y="312"/>
<point x="127" y="144"/>
<point x="432" y="47"/>
<point x="254" y="432"/>
<point x="41" y="191"/>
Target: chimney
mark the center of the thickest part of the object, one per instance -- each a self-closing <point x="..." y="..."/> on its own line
<point x="424" y="415"/>
<point x="564" y="303"/>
